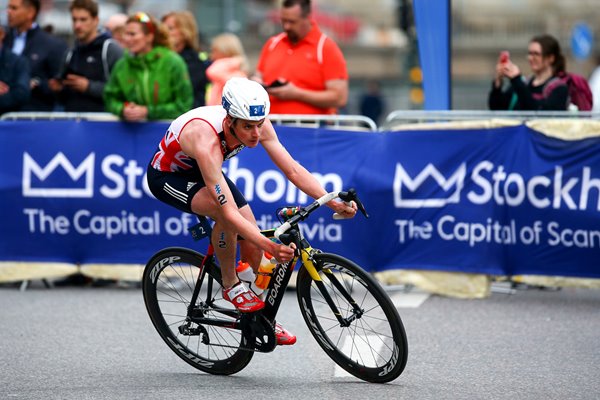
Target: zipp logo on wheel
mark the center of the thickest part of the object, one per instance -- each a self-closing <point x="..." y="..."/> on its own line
<point x="190" y="356"/>
<point x="316" y="329"/>
<point x="160" y="265"/>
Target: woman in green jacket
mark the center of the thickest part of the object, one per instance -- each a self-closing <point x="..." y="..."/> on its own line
<point x="151" y="81"/>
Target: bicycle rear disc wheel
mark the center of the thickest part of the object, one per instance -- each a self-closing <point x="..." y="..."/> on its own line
<point x="371" y="344"/>
<point x="168" y="283"/>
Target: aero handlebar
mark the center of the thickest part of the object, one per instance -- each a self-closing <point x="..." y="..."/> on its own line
<point x="304" y="212"/>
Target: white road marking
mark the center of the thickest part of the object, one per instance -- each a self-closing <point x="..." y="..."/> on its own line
<point x="412" y="299"/>
<point x="360" y="347"/>
<point x="401" y="299"/>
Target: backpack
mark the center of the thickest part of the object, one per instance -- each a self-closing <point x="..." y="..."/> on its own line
<point x="580" y="93"/>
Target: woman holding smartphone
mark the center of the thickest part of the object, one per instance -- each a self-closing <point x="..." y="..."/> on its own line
<point x="543" y="90"/>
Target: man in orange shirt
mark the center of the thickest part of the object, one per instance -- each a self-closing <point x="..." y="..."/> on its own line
<point x="303" y="69"/>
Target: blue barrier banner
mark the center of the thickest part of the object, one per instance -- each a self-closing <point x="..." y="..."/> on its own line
<point x="502" y="201"/>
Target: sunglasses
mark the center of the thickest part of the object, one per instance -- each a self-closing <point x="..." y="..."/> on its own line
<point x="145" y="19"/>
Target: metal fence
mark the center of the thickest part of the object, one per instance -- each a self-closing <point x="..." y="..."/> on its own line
<point x="350" y="122"/>
<point x="58" y="116"/>
<point x="417" y="117"/>
<point x="346" y="122"/>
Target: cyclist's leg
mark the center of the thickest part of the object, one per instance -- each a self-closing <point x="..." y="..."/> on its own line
<point x="187" y="192"/>
<point x="248" y="251"/>
<point x="224" y="238"/>
<point x="252" y="254"/>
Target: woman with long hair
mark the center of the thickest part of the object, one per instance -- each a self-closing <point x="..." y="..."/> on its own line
<point x="183" y="32"/>
<point x="547" y="63"/>
<point x="150" y="81"/>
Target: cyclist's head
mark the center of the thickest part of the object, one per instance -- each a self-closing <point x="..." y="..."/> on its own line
<point x="245" y="99"/>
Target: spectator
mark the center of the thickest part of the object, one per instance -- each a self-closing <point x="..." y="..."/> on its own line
<point x="151" y="81"/>
<point x="14" y="79"/>
<point x="371" y="102"/>
<point x="595" y="85"/>
<point x="546" y="62"/>
<point x="228" y="61"/>
<point x="115" y="25"/>
<point x="185" y="41"/>
<point x="310" y="65"/>
<point x="43" y="51"/>
<point x="87" y="66"/>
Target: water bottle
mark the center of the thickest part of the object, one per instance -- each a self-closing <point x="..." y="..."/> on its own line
<point x="265" y="271"/>
<point x="246" y="274"/>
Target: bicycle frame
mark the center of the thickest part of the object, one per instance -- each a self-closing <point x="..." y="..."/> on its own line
<point x="283" y="272"/>
<point x="280" y="278"/>
<point x="274" y="293"/>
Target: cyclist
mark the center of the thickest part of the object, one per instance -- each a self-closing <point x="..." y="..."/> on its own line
<point x="186" y="172"/>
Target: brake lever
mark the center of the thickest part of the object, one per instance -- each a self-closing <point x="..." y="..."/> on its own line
<point x="290" y="237"/>
<point x="361" y="207"/>
<point x="351" y="195"/>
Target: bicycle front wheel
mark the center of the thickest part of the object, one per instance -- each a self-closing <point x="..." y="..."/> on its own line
<point x="213" y="346"/>
<point x="367" y="339"/>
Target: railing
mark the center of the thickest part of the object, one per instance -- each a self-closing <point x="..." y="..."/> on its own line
<point x="58" y="116"/>
<point x="415" y="117"/>
<point x="351" y="122"/>
<point x="347" y="122"/>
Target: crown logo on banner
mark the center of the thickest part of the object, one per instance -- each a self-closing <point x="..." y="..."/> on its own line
<point x="34" y="175"/>
<point x="407" y="193"/>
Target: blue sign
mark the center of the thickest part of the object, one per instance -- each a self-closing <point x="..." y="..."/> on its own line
<point x="582" y="41"/>
<point x="501" y="201"/>
<point x="432" y="21"/>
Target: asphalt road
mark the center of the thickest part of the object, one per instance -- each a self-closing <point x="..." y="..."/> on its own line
<point x="92" y="343"/>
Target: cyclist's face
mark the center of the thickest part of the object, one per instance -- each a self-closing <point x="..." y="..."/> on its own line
<point x="248" y="131"/>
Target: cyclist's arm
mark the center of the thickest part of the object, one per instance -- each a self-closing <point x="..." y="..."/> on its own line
<point x="295" y="172"/>
<point x="292" y="169"/>
<point x="200" y="142"/>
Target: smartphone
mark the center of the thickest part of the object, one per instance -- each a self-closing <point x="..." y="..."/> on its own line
<point x="504" y="57"/>
<point x="276" y="83"/>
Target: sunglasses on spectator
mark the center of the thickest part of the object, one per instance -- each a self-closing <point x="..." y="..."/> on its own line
<point x="145" y="19"/>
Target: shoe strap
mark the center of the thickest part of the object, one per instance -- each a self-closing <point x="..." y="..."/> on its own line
<point x="237" y="290"/>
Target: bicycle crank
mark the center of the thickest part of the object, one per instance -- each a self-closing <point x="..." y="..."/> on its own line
<point x="258" y="331"/>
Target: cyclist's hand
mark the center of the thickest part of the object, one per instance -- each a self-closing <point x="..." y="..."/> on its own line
<point x="283" y="253"/>
<point x="342" y="209"/>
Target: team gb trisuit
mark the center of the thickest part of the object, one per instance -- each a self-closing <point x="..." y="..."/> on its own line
<point x="173" y="176"/>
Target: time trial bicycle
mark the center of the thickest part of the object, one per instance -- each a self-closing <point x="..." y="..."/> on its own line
<point x="349" y="314"/>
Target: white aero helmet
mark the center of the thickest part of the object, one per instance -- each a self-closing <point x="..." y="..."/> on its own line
<point x="245" y="99"/>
